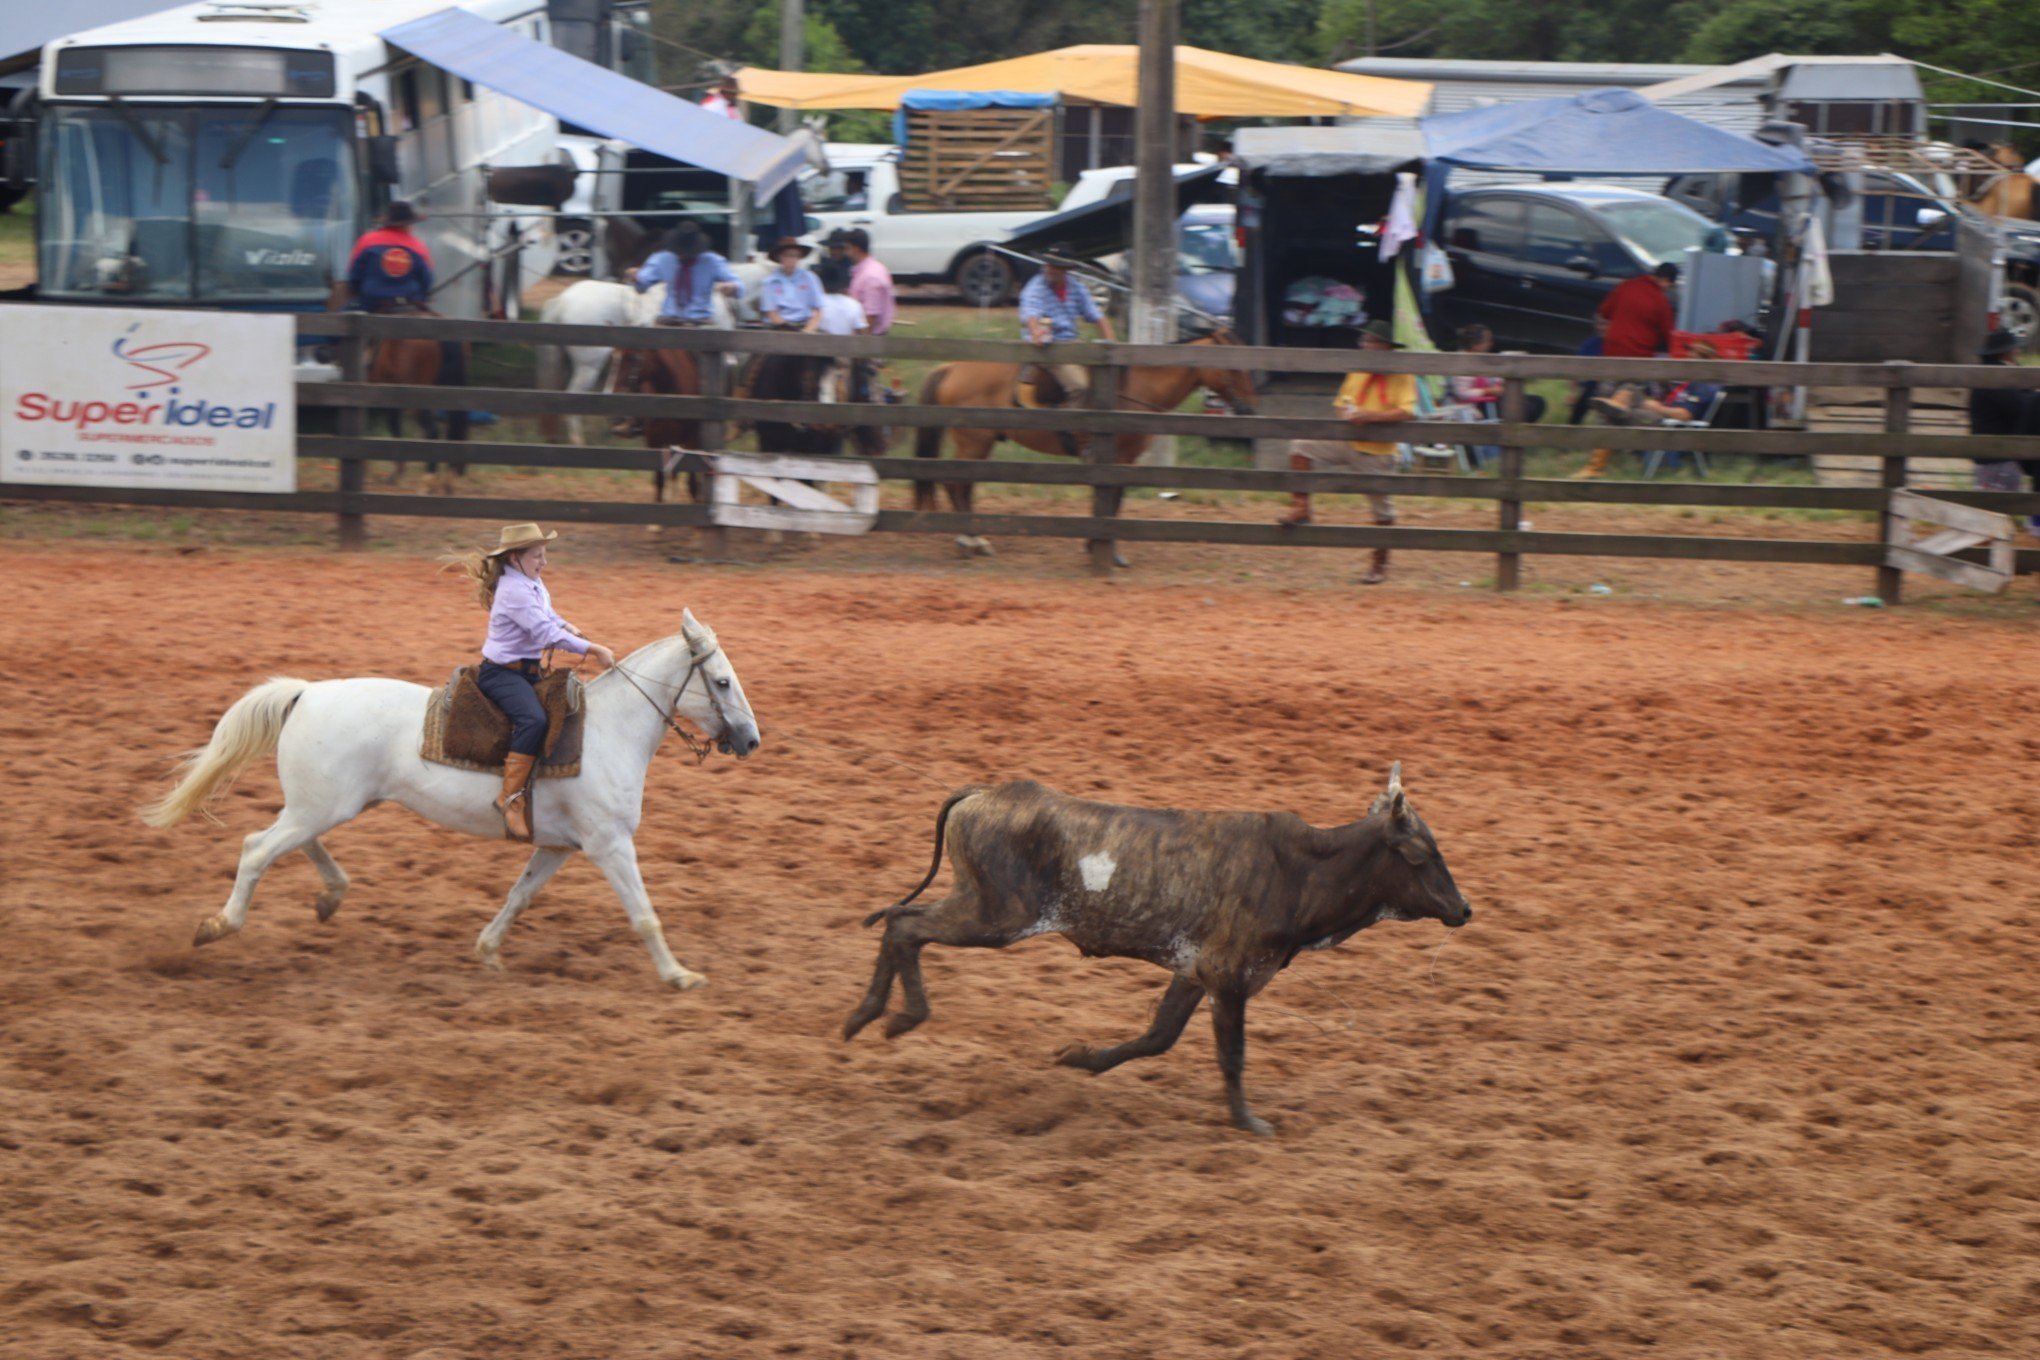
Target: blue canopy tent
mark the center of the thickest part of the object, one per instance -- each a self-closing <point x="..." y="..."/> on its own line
<point x="1608" y="132"/>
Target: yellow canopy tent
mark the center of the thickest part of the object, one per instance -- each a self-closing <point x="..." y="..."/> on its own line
<point x="1208" y="85"/>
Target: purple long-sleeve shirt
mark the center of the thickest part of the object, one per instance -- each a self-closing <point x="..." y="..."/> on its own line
<point x="522" y="623"/>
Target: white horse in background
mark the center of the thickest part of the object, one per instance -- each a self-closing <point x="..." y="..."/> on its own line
<point x="345" y="745"/>
<point x="580" y="368"/>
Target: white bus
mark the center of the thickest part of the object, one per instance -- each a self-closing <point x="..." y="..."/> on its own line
<point x="228" y="154"/>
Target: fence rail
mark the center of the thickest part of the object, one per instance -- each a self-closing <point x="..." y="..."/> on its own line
<point x="352" y="450"/>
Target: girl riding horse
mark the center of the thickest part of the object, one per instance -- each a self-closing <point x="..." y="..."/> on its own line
<point x="522" y="627"/>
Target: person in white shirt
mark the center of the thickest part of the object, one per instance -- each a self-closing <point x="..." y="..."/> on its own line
<point x="724" y="98"/>
<point x="839" y="314"/>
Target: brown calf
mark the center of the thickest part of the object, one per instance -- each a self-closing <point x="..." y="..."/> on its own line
<point x="1224" y="900"/>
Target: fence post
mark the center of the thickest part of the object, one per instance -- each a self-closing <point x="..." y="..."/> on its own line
<point x="352" y="423"/>
<point x="1508" y="565"/>
<point x="1100" y="451"/>
<point x="1897" y="420"/>
<point x="712" y="367"/>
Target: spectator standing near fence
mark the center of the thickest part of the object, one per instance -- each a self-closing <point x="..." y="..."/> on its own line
<point x="2004" y="410"/>
<point x="871" y="283"/>
<point x="1363" y="399"/>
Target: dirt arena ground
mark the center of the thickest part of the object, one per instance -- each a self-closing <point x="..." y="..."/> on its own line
<point x="1737" y="1059"/>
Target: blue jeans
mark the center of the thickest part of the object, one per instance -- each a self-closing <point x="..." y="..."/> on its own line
<point x="509" y="688"/>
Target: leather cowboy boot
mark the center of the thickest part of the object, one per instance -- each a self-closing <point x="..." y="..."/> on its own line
<point x="1597" y="463"/>
<point x="1377" y="568"/>
<point x="515" y="802"/>
<point x="1299" y="501"/>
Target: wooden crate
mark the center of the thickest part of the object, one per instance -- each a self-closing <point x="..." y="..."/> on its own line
<point x="979" y="160"/>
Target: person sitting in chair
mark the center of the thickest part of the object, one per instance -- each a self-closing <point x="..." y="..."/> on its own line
<point x="522" y="628"/>
<point x="390" y="269"/>
<point x="1051" y="305"/>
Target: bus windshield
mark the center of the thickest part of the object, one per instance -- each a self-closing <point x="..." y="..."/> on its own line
<point x="243" y="203"/>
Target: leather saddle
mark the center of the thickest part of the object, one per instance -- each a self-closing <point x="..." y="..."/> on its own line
<point x="465" y="729"/>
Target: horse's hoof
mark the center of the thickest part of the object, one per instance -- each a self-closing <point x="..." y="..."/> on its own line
<point x="327" y="904"/>
<point x="215" y="927"/>
<point x="684" y="981"/>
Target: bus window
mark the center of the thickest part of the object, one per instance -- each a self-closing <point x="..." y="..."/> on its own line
<point x="116" y="204"/>
<point x="274" y="210"/>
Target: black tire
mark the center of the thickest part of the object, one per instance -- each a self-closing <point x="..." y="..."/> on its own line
<point x="576" y="242"/>
<point x="2020" y="313"/>
<point x="985" y="278"/>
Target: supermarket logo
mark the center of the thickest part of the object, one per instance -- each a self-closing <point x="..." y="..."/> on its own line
<point x="158" y="365"/>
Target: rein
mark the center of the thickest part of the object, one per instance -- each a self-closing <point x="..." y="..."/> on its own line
<point x="695" y="660"/>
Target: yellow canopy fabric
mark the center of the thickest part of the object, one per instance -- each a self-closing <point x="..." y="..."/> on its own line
<point x="1208" y="85"/>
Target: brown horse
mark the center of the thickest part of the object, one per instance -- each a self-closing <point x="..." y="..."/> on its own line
<point x="409" y="362"/>
<point x="985" y="384"/>
<point x="2008" y="195"/>
<point x="671" y="373"/>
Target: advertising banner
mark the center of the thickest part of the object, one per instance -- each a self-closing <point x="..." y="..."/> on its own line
<point x="119" y="397"/>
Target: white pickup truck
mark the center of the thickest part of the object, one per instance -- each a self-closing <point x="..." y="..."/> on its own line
<point x="861" y="188"/>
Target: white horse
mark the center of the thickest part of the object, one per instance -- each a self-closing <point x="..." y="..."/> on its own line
<point x="345" y="745"/>
<point x="579" y="368"/>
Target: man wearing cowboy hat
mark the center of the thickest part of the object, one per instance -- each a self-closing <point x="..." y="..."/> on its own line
<point x="390" y="269"/>
<point x="792" y="293"/>
<point x="1050" y="308"/>
<point x="1363" y="399"/>
<point x="693" y="275"/>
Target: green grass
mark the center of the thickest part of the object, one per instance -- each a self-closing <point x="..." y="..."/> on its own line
<point x="17" y="234"/>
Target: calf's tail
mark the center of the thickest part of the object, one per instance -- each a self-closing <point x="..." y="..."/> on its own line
<point x="941" y="827"/>
<point x="245" y="733"/>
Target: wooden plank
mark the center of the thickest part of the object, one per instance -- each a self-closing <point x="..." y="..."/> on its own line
<point x="351" y="529"/>
<point x="1897" y="417"/>
<point x="359" y="450"/>
<point x="1948" y="541"/>
<point x="1237" y="357"/>
<point x="1962" y="573"/>
<point x="1509" y="566"/>
<point x="1910" y="505"/>
<point x="813" y="468"/>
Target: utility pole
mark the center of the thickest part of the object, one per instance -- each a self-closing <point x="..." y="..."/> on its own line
<point x="1153" y="320"/>
<point x="792" y="50"/>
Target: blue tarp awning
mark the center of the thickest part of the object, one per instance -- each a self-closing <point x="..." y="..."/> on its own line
<point x="1599" y="132"/>
<point x="581" y="92"/>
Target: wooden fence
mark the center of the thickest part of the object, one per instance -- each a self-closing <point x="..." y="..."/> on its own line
<point x="353" y="504"/>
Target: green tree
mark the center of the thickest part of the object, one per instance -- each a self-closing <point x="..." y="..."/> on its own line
<point x="1751" y="28"/>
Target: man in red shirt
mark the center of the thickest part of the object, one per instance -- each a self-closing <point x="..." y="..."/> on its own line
<point x="1639" y="319"/>
<point x="1639" y="315"/>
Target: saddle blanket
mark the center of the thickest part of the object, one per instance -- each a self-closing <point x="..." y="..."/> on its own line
<point x="467" y="731"/>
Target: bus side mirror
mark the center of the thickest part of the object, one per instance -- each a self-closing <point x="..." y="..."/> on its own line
<point x="382" y="159"/>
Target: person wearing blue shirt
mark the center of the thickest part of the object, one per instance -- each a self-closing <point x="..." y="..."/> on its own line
<point x="1050" y="308"/>
<point x="693" y="275"/>
<point x="789" y="297"/>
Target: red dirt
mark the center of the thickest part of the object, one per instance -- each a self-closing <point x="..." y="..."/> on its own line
<point x="1736" y="1060"/>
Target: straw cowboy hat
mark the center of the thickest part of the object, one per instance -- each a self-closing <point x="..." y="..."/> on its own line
<point x="786" y="243"/>
<point x="515" y="536"/>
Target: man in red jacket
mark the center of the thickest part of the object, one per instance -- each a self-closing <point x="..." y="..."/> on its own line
<point x="1639" y="319"/>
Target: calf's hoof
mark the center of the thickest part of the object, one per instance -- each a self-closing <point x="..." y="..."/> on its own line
<point x="326" y="904"/>
<point x="684" y="981"/>
<point x="215" y="927"/>
<point x="1079" y="1055"/>
<point x="488" y="957"/>
<point x="859" y="1018"/>
<point x="903" y="1022"/>
<point x="1253" y="1123"/>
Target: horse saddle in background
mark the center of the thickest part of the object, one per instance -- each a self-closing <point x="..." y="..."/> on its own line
<point x="465" y="729"/>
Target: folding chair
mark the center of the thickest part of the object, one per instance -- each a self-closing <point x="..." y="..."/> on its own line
<point x="1655" y="458"/>
<point x="1407" y="455"/>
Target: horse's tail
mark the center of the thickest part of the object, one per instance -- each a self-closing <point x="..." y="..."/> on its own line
<point x="941" y="827"/>
<point x="928" y="439"/>
<point x="243" y="735"/>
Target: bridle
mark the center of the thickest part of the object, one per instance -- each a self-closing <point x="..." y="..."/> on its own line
<point x="695" y="661"/>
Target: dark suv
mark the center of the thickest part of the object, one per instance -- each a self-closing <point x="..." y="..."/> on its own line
<point x="1532" y="262"/>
